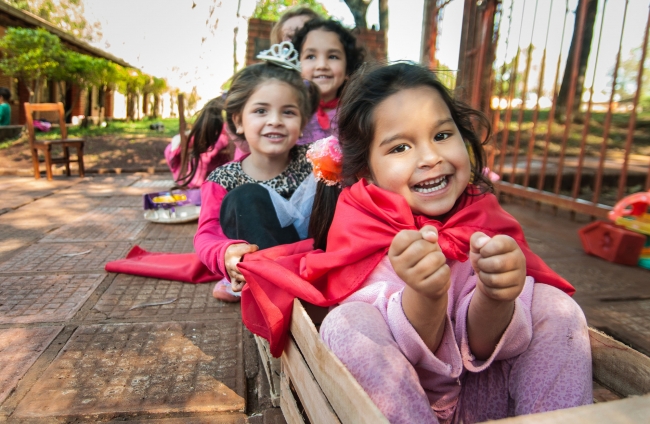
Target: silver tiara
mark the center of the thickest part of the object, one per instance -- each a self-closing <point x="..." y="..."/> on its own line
<point x="283" y="55"/>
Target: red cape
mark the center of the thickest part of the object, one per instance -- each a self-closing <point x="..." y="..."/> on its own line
<point x="185" y="267"/>
<point x="366" y="220"/>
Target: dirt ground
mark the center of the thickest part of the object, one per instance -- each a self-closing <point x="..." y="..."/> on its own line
<point x="102" y="154"/>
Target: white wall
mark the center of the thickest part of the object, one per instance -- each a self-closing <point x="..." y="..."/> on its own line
<point x="119" y="105"/>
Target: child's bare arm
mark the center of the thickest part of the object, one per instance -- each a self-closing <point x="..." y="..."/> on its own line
<point x="501" y="268"/>
<point x="417" y="259"/>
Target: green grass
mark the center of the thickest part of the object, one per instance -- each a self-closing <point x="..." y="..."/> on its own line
<point x="118" y="128"/>
<point x="121" y="129"/>
<point x="5" y="144"/>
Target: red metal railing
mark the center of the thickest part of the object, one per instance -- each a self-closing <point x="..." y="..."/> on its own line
<point x="582" y="169"/>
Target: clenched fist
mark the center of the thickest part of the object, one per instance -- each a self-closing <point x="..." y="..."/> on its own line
<point x="418" y="260"/>
<point x="500" y="265"/>
<point x="233" y="256"/>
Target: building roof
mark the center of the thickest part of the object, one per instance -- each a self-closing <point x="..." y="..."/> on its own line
<point x="11" y="16"/>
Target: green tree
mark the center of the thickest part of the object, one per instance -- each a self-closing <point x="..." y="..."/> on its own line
<point x="67" y="15"/>
<point x="503" y="77"/>
<point x="33" y="55"/>
<point x="271" y="10"/>
<point x="446" y="75"/>
<point x="158" y="88"/>
<point x="147" y="88"/>
<point x="585" y="49"/>
<point x="106" y="79"/>
<point x="131" y="82"/>
<point x="626" y="84"/>
<point x="80" y="70"/>
<point x="191" y="101"/>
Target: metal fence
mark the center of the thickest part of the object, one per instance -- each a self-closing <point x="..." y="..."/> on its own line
<point x="563" y="83"/>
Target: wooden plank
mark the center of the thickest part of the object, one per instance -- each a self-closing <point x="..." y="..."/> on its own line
<point x="618" y="367"/>
<point x="631" y="410"/>
<point x="351" y="403"/>
<point x="603" y="394"/>
<point x="288" y="403"/>
<point x="312" y="398"/>
<point x="271" y="368"/>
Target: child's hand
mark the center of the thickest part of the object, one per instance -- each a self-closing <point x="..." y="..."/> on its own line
<point x="418" y="260"/>
<point x="233" y="256"/>
<point x="500" y="265"/>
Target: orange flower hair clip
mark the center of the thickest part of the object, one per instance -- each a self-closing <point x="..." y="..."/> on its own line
<point x="327" y="160"/>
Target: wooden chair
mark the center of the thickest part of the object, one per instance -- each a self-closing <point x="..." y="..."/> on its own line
<point x="46" y="145"/>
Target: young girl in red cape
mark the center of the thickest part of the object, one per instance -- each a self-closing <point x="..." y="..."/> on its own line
<point x="444" y="313"/>
<point x="328" y="56"/>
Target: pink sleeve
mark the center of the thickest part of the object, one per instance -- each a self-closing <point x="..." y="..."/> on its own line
<point x="209" y="156"/>
<point x="516" y="337"/>
<point x="210" y="242"/>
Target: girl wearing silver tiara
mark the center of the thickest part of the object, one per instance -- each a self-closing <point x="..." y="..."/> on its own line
<point x="267" y="107"/>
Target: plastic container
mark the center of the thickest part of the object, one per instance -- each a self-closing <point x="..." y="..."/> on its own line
<point x="612" y="243"/>
<point x="172" y="207"/>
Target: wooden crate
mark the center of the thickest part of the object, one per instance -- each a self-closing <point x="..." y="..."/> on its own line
<point x="317" y="388"/>
<point x="271" y="369"/>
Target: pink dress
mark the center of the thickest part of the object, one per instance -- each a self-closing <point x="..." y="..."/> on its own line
<point x="541" y="363"/>
<point x="207" y="163"/>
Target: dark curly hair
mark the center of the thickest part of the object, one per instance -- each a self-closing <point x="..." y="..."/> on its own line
<point x="354" y="55"/>
<point x="367" y="89"/>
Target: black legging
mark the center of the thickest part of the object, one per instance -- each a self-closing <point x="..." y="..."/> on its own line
<point x="247" y="213"/>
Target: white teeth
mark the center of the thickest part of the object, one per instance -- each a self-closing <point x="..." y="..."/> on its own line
<point x="433" y="182"/>
<point x="431" y="185"/>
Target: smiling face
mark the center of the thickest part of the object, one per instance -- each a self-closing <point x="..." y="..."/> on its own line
<point x="292" y="25"/>
<point x="270" y="121"/>
<point x="418" y="152"/>
<point x="322" y="59"/>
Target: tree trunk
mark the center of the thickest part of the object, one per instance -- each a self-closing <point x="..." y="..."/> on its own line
<point x="69" y="105"/>
<point x="359" y="9"/>
<point x="588" y="33"/>
<point x="101" y="99"/>
<point x="429" y="33"/>
<point x="130" y="106"/>
<point x="156" y="105"/>
<point x="235" y="64"/>
<point x="61" y="92"/>
<point x="383" y="14"/>
<point x="89" y="108"/>
<point x="34" y="91"/>
<point x="145" y="104"/>
<point x="383" y="19"/>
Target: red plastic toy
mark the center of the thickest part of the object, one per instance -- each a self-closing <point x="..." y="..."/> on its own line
<point x="612" y="243"/>
<point x="623" y="241"/>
